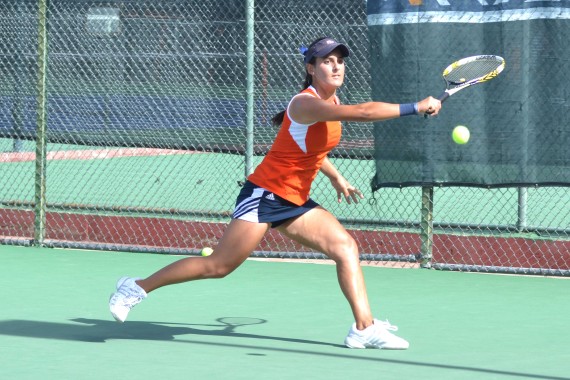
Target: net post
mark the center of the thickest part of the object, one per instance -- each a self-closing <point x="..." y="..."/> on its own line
<point x="426" y="227"/>
<point x="41" y="148"/>
<point x="250" y="55"/>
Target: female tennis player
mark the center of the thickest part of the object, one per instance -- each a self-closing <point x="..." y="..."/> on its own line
<point x="276" y="196"/>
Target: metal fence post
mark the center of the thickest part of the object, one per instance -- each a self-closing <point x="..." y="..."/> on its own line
<point x="426" y="227"/>
<point x="250" y="55"/>
<point x="41" y="148"/>
<point x="522" y="209"/>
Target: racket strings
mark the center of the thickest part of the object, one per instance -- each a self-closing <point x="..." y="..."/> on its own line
<point x="471" y="71"/>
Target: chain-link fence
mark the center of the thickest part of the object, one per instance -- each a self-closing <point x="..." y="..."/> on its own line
<point x="130" y="125"/>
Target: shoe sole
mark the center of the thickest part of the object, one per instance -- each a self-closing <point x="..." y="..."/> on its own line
<point x="118" y="285"/>
<point x="354" y="344"/>
<point x="115" y="316"/>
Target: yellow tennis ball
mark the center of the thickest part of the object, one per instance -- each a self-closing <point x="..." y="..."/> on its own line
<point x="206" y="251"/>
<point x="460" y="134"/>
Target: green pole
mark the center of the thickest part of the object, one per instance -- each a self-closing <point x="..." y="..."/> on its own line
<point x="250" y="52"/>
<point x="40" y="180"/>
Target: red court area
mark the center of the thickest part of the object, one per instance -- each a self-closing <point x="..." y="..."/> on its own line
<point x="152" y="233"/>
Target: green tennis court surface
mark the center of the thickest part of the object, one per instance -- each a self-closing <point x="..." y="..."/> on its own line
<point x="54" y="322"/>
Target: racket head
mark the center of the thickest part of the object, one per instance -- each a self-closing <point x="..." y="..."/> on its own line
<point x="472" y="70"/>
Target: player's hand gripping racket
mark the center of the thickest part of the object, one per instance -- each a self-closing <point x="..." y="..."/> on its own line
<point x="469" y="71"/>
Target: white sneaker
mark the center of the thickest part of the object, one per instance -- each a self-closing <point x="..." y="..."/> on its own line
<point x="377" y="335"/>
<point x="128" y="295"/>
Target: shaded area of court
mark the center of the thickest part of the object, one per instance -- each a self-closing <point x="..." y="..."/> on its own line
<point x="54" y="322"/>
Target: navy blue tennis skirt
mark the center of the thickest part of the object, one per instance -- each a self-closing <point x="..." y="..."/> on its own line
<point x="255" y="204"/>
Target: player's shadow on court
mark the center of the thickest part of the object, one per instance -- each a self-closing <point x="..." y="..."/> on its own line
<point x="100" y="331"/>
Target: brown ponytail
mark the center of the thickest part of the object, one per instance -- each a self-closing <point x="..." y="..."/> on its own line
<point x="278" y="118"/>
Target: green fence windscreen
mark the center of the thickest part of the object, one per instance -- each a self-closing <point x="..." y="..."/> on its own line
<point x="519" y="122"/>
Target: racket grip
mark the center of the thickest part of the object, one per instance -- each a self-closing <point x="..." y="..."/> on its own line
<point x="442" y="98"/>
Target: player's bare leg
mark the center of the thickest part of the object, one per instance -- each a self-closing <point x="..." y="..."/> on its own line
<point x="235" y="246"/>
<point x="320" y="230"/>
<point x="239" y="240"/>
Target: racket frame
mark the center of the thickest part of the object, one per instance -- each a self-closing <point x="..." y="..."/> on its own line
<point x="484" y="78"/>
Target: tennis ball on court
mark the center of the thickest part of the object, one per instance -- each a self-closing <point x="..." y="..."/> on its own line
<point x="206" y="251"/>
<point x="460" y="135"/>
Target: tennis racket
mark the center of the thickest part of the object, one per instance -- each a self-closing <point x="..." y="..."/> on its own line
<point x="470" y="71"/>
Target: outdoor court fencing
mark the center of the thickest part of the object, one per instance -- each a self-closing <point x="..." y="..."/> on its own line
<point x="130" y="125"/>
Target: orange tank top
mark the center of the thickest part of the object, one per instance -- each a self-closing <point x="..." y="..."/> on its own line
<point x="296" y="156"/>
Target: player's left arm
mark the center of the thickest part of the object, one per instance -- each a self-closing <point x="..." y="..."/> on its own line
<point x="308" y="110"/>
<point x="341" y="185"/>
